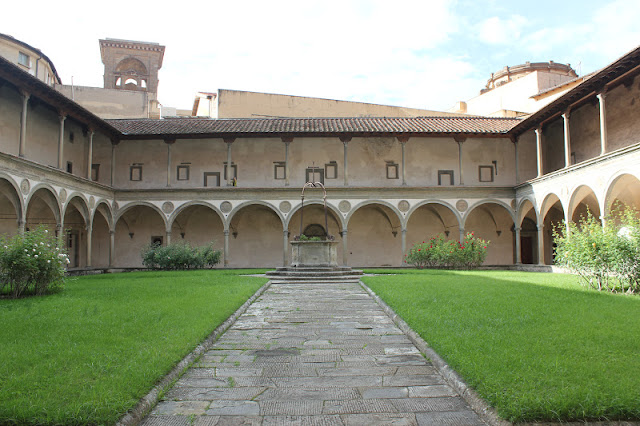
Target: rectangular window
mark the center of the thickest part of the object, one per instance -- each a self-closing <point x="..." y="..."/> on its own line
<point x="24" y="59"/>
<point x="445" y="177"/>
<point x="69" y="167"/>
<point x="279" y="170"/>
<point x="392" y="170"/>
<point x="71" y="137"/>
<point x="211" y="178"/>
<point x="485" y="173"/>
<point x="315" y="174"/>
<point x="234" y="167"/>
<point x="331" y="170"/>
<point x="183" y="172"/>
<point x="95" y="172"/>
<point x="135" y="172"/>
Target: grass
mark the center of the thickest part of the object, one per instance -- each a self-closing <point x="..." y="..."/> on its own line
<point x="88" y="354"/>
<point x="535" y="346"/>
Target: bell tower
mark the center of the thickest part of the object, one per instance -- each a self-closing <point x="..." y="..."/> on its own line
<point x="131" y="65"/>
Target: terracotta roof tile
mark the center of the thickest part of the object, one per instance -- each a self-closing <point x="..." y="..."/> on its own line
<point x="194" y="127"/>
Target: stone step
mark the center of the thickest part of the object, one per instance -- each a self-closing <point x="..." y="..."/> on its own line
<point x="310" y="281"/>
<point x="312" y="273"/>
<point x="314" y="268"/>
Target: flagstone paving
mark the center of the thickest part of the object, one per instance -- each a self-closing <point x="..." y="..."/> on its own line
<point x="312" y="354"/>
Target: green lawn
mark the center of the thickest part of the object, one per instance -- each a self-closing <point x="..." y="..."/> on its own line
<point x="535" y="346"/>
<point x="88" y="354"/>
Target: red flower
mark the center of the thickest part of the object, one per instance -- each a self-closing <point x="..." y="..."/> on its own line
<point x="423" y="242"/>
<point x="418" y="249"/>
<point x="485" y="246"/>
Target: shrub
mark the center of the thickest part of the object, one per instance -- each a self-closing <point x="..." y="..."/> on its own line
<point x="31" y="263"/>
<point x="605" y="258"/>
<point x="439" y="252"/>
<point x="180" y="256"/>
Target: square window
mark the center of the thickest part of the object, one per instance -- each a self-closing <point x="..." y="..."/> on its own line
<point x="183" y="172"/>
<point x="392" y="170"/>
<point x="211" y="178"/>
<point x="331" y="170"/>
<point x="234" y="167"/>
<point x="279" y="170"/>
<point x="485" y="173"/>
<point x="135" y="172"/>
<point x="445" y="178"/>
<point x="95" y="172"/>
<point x="314" y="174"/>
<point x="24" y="59"/>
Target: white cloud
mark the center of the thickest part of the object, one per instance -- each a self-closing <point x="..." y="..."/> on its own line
<point x="496" y="30"/>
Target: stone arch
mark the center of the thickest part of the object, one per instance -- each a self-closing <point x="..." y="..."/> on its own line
<point x="11" y="206"/>
<point x="131" y="66"/>
<point x="527" y="220"/>
<point x="136" y="226"/>
<point x="255" y="236"/>
<point x="623" y="189"/>
<point x="493" y="221"/>
<point x="76" y="224"/>
<point x="198" y="223"/>
<point x="43" y="208"/>
<point x="332" y="211"/>
<point x="101" y="225"/>
<point x="430" y="218"/>
<point x="387" y="204"/>
<point x="583" y="198"/>
<point x="255" y="202"/>
<point x="375" y="235"/>
<point x="124" y="209"/>
<point x="552" y="216"/>
<point x="488" y="201"/>
<point x="416" y="206"/>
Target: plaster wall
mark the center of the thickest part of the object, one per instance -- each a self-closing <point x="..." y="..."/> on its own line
<point x="100" y="241"/>
<point x="76" y="150"/>
<point x="430" y="220"/>
<point x="43" y="132"/>
<point x="151" y="154"/>
<point x="527" y="162"/>
<point x="371" y="241"/>
<point x="425" y="156"/>
<point x="368" y="159"/>
<point x="201" y="226"/>
<point x="38" y="67"/>
<point x="10" y="117"/>
<point x="553" y="146"/>
<point x="623" y="110"/>
<point x="585" y="132"/>
<point x="109" y="103"/>
<point x="101" y="154"/>
<point x="307" y="152"/>
<point x="203" y="155"/>
<point x="235" y="104"/>
<point x="144" y="223"/>
<point x="484" y="222"/>
<point x="255" y="158"/>
<point x="8" y="212"/>
<point x="482" y="152"/>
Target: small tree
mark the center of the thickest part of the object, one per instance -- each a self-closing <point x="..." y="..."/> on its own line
<point x="31" y="263"/>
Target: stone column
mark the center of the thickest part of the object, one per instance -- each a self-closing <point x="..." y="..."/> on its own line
<point x="285" y="252"/>
<point x="460" y="141"/>
<point x="90" y="155"/>
<point x="61" y="142"/>
<point x="21" y="226"/>
<point x="518" y="252"/>
<point x="89" y="238"/>
<point x="112" y="247"/>
<point x="603" y="123"/>
<point x="169" y="142"/>
<point x="23" y="124"/>
<point x="168" y="237"/>
<point x="539" y="150"/>
<point x="287" y="140"/>
<point x="226" y="248"/>
<point x="403" y="242"/>
<point x="345" y="247"/>
<point x="345" y="142"/>
<point x="540" y="245"/>
<point x="567" y="139"/>
<point x="403" y="140"/>
<point x="229" y="141"/>
<point x="461" y="235"/>
<point x="113" y="160"/>
<point x="517" y="162"/>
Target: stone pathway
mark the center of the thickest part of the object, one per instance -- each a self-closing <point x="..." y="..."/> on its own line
<point x="313" y="354"/>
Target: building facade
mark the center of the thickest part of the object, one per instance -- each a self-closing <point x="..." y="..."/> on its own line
<point x="111" y="186"/>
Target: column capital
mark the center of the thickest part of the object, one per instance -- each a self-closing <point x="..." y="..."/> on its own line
<point x="112" y="232"/>
<point x="229" y="140"/>
<point x="115" y="141"/>
<point x="343" y="233"/>
<point x="403" y="138"/>
<point x="514" y="139"/>
<point x="460" y="139"/>
<point x="566" y="114"/>
<point x="345" y="139"/>
<point x="602" y="95"/>
<point x="25" y="95"/>
<point x="286" y="139"/>
<point x="285" y="232"/>
<point x="170" y="141"/>
<point x="62" y="116"/>
<point x="226" y="232"/>
<point x="517" y="229"/>
<point x="538" y="130"/>
<point x="539" y="227"/>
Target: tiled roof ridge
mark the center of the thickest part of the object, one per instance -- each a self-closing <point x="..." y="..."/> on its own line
<point x="427" y="117"/>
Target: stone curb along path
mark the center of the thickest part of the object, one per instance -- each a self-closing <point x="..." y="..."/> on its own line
<point x="317" y="354"/>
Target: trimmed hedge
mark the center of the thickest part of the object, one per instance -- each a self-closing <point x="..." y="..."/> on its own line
<point x="180" y="256"/>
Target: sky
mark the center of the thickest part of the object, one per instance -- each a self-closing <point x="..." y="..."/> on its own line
<point x="425" y="54"/>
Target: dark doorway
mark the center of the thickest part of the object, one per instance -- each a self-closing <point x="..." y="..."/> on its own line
<point x="526" y="250"/>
